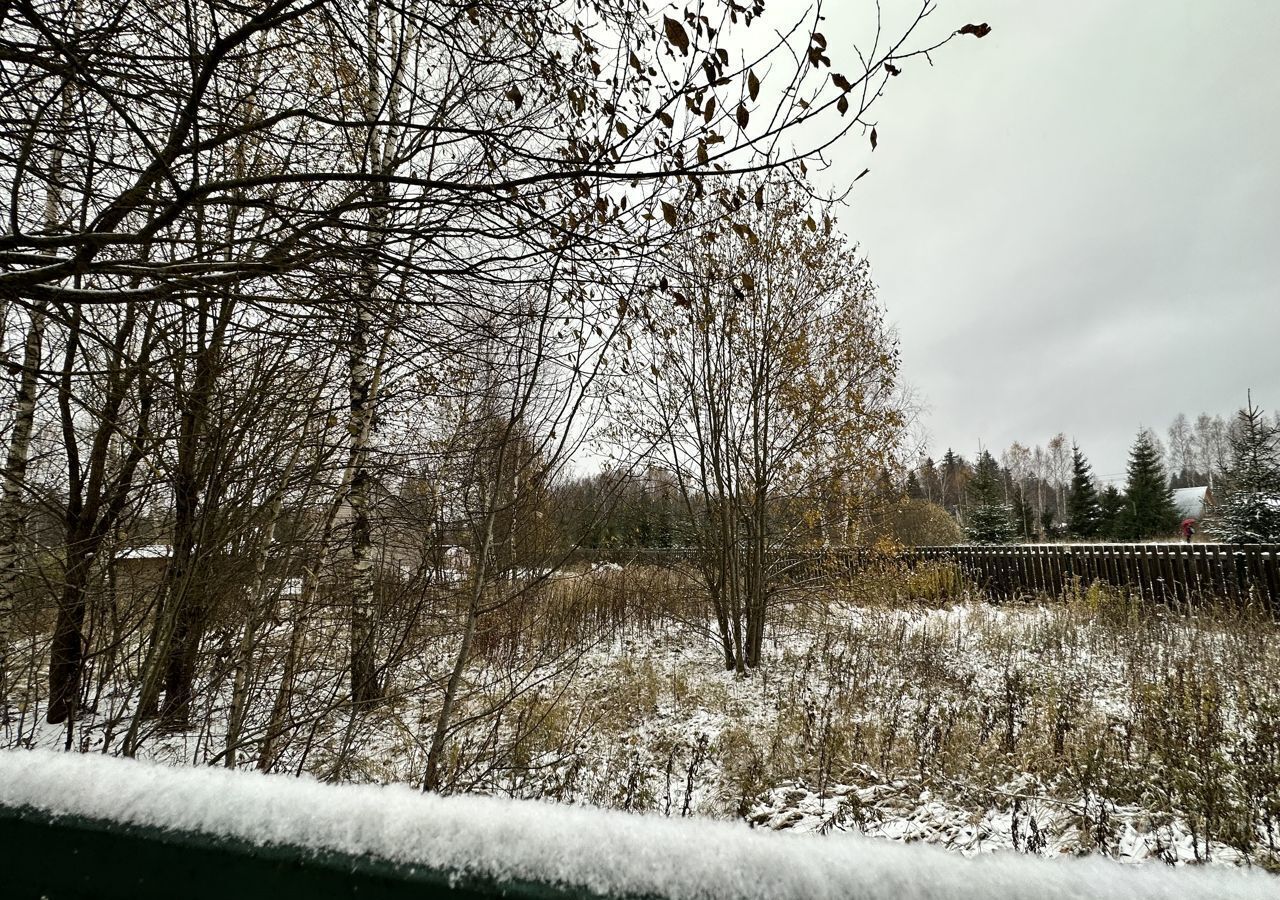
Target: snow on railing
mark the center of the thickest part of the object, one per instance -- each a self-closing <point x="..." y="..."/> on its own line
<point x="506" y="845"/>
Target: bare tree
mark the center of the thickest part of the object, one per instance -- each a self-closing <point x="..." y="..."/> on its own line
<point x="1181" y="442"/>
<point x="771" y="394"/>
<point x="1059" y="470"/>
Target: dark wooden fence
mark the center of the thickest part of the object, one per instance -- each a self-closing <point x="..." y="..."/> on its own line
<point x="1173" y="574"/>
<point x="1164" y="573"/>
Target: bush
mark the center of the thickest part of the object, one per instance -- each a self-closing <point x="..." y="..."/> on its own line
<point x="916" y="523"/>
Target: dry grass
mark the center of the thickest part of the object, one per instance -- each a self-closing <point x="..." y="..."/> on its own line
<point x="605" y="686"/>
<point x="1115" y="711"/>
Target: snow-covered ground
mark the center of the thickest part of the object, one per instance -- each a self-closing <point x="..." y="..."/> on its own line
<point x="890" y="723"/>
<point x="1086" y="728"/>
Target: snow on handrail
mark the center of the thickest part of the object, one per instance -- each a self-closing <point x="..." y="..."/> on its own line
<point x="608" y="854"/>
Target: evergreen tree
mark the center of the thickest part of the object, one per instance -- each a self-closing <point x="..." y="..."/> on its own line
<point x="886" y="488"/>
<point x="1148" y="511"/>
<point x="931" y="481"/>
<point x="1111" y="505"/>
<point x="1084" y="513"/>
<point x="955" y="479"/>
<point x="1046" y="522"/>
<point x="914" y="490"/>
<point x="1249" y="512"/>
<point x="1024" y="517"/>
<point x="988" y="520"/>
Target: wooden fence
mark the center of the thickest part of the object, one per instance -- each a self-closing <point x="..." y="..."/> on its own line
<point x="1163" y="573"/>
<point x="1173" y="574"/>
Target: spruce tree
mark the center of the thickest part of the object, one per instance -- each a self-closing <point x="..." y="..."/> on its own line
<point x="886" y="488"/>
<point x="1084" y="513"/>
<point x="955" y="473"/>
<point x="1046" y="522"/>
<point x="1110" y="513"/>
<point x="988" y="520"/>
<point x="1148" y="511"/>
<point x="914" y="490"/>
<point x="931" y="481"/>
<point x="1249" y="512"/>
<point x="1024" y="517"/>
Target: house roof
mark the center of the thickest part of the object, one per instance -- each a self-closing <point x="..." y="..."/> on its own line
<point x="1190" y="501"/>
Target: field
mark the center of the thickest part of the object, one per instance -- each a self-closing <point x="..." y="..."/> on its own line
<point x="902" y="705"/>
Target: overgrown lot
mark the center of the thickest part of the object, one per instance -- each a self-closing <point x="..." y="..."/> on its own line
<point x="900" y="704"/>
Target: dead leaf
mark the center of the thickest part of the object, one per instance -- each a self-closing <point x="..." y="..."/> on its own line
<point x="978" y="31"/>
<point x="676" y="35"/>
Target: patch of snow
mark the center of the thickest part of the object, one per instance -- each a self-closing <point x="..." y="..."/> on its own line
<point x="606" y="852"/>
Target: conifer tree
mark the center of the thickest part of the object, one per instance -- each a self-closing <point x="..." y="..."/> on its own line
<point x="914" y="490"/>
<point x="955" y="475"/>
<point x="931" y="481"/>
<point x="886" y="488"/>
<point x="1250" y="509"/>
<point x="1024" y="517"/>
<point x="1046" y="522"/>
<point x="1110" y="513"/>
<point x="1084" y="513"/>
<point x="989" y="520"/>
<point x="1148" y="511"/>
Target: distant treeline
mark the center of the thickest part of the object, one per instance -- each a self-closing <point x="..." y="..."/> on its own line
<point x="1051" y="492"/>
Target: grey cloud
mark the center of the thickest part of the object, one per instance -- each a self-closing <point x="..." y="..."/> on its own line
<point x="1074" y="221"/>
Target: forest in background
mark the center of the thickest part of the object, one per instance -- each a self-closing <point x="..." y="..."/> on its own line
<point x="1052" y="493"/>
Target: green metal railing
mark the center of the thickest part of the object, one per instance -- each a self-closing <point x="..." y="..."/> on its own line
<point x="69" y="858"/>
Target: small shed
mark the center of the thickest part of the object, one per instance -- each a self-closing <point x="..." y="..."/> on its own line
<point x="140" y="571"/>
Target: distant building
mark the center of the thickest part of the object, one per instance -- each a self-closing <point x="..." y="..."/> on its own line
<point x="140" y="570"/>
<point x="1192" y="502"/>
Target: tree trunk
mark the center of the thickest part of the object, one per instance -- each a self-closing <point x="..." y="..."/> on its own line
<point x="199" y="457"/>
<point x="12" y="517"/>
<point x="66" y="660"/>
<point x="431" y="780"/>
<point x="258" y="607"/>
<point x="364" y="678"/>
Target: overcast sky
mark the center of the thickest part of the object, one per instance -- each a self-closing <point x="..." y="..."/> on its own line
<point x="1075" y="221"/>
